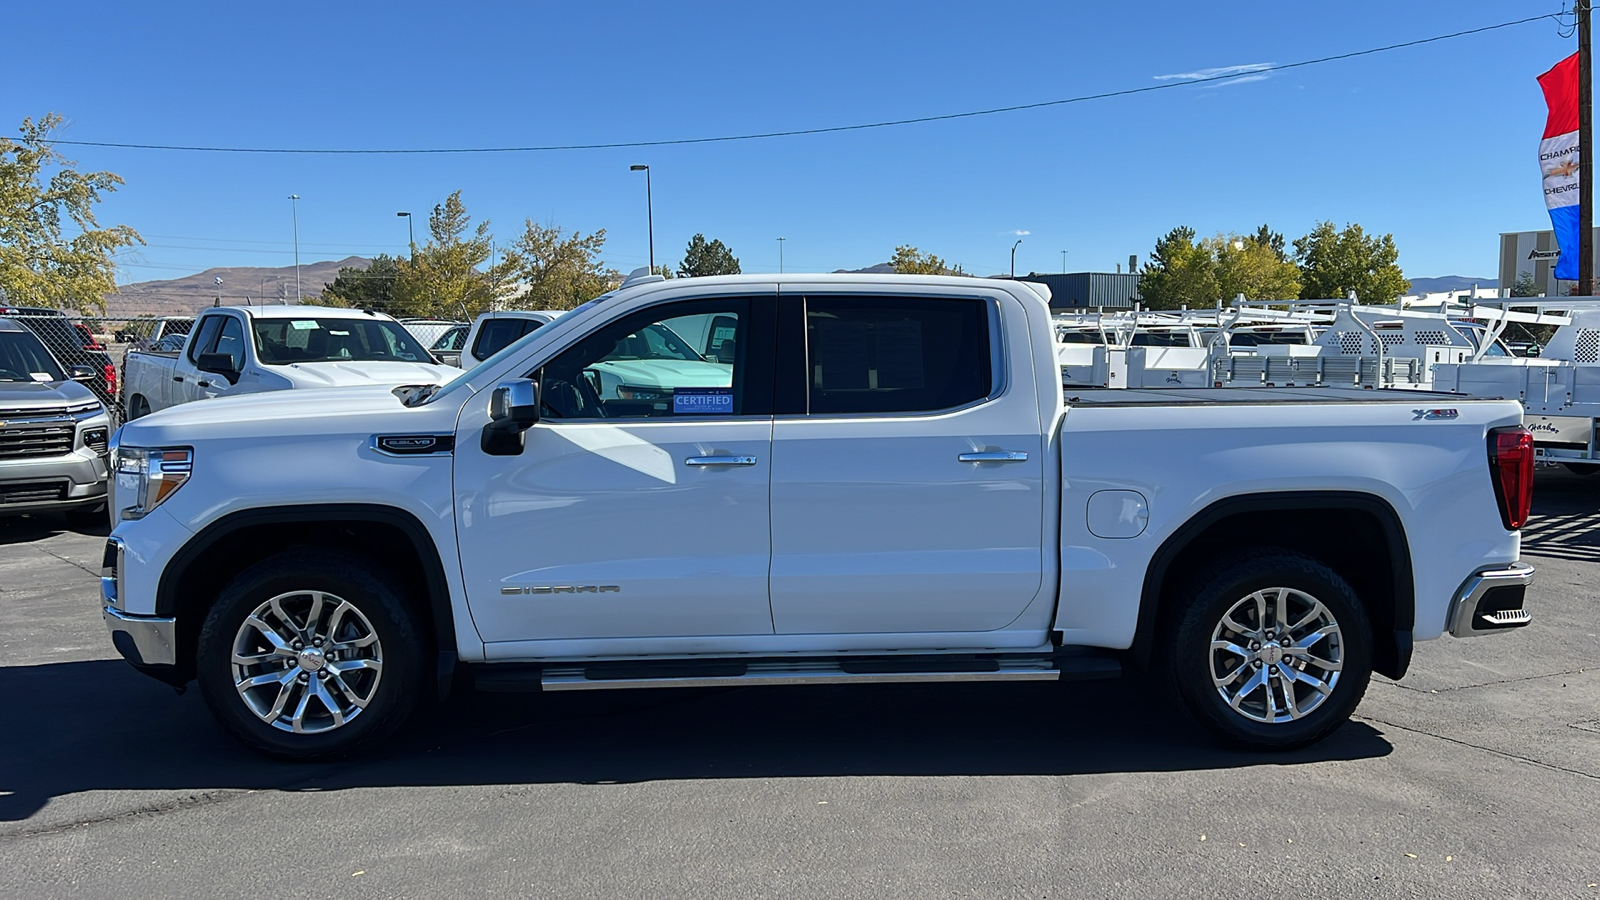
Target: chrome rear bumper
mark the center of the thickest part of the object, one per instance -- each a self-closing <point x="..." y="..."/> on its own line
<point x="1491" y="601"/>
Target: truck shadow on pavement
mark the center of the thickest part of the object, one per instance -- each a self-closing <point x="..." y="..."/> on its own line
<point x="68" y="728"/>
<point x="1566" y="517"/>
<point x="27" y="529"/>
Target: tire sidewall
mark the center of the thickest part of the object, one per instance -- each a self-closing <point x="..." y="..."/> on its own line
<point x="356" y="581"/>
<point x="1190" y="654"/>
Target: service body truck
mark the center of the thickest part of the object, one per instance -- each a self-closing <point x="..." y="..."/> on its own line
<point x="891" y="485"/>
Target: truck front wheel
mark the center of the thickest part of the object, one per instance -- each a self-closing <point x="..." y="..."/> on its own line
<point x="1273" y="651"/>
<point x="309" y="654"/>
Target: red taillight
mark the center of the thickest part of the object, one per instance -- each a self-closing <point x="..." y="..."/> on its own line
<point x="1511" y="470"/>
<point x="111" y="379"/>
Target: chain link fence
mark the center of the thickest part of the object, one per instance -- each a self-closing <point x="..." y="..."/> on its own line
<point x="99" y="343"/>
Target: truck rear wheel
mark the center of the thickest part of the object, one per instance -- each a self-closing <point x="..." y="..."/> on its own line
<point x="1272" y="652"/>
<point x="310" y="654"/>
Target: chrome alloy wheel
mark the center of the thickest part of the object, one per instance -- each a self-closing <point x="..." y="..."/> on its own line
<point x="307" y="662"/>
<point x="1276" y="655"/>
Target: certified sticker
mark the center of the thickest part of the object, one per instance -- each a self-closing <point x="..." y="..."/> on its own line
<point x="702" y="401"/>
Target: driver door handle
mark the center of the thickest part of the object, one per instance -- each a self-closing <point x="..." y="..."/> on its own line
<point x="720" y="461"/>
<point x="994" y="456"/>
<point x="178" y="378"/>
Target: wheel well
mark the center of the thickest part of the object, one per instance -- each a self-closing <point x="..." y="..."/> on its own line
<point x="1358" y="536"/>
<point x="390" y="538"/>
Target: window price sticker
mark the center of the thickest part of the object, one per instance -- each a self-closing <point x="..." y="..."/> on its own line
<point x="702" y="401"/>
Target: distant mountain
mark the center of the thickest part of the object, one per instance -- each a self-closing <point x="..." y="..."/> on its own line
<point x="255" y="284"/>
<point x="879" y="269"/>
<point x="1451" y="283"/>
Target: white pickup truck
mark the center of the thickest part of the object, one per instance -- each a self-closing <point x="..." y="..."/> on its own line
<point x="251" y="349"/>
<point x="889" y="485"/>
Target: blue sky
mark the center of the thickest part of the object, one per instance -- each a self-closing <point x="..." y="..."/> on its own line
<point x="1435" y="144"/>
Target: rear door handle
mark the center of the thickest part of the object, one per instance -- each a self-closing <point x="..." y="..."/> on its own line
<point x="994" y="456"/>
<point x="178" y="378"/>
<point x="720" y="461"/>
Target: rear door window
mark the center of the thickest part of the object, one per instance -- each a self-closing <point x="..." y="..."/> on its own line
<point x="497" y="334"/>
<point x="896" y="354"/>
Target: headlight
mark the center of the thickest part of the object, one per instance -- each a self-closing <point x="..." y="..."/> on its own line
<point x="144" y="478"/>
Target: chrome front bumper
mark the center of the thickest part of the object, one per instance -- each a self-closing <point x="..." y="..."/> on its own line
<point x="143" y="640"/>
<point x="1491" y="601"/>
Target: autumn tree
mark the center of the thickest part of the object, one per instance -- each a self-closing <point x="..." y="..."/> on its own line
<point x="702" y="258"/>
<point x="1334" y="262"/>
<point x="908" y="260"/>
<point x="53" y="251"/>
<point x="447" y="275"/>
<point x="559" y="270"/>
<point x="1254" y="266"/>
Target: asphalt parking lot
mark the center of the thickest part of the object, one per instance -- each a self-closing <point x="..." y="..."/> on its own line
<point x="1477" y="776"/>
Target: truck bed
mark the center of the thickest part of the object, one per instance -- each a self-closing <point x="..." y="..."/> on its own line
<point x="1250" y="396"/>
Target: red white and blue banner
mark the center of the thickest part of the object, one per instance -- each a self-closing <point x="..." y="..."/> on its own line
<point x="1558" y="160"/>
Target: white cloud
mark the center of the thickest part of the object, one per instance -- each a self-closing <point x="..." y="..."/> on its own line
<point x="1018" y="232"/>
<point x="1221" y="72"/>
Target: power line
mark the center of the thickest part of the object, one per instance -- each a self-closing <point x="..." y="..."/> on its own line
<point x="834" y="129"/>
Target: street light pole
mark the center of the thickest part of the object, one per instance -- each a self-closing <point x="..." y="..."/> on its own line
<point x="1063" y="262"/>
<point x="649" y="213"/>
<point x="294" y="210"/>
<point x="1014" y="258"/>
<point x="1585" y="153"/>
<point x="410" y="233"/>
<point x="780" y="255"/>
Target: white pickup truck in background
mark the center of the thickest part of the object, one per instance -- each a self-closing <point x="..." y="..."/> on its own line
<point x="885" y="482"/>
<point x="235" y="350"/>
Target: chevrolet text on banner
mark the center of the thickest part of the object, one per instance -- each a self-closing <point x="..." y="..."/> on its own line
<point x="1558" y="160"/>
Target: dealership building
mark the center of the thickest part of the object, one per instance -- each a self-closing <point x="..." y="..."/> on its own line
<point x="1535" y="253"/>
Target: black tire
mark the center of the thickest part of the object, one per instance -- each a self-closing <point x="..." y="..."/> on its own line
<point x="89" y="517"/>
<point x="372" y="592"/>
<point x="1188" y="659"/>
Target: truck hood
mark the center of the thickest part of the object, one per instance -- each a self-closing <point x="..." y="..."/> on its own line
<point x="362" y="372"/>
<point x="677" y="372"/>
<point x="312" y="412"/>
<point x="31" y="395"/>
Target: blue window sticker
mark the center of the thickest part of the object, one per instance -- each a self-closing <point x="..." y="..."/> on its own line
<point x="702" y="401"/>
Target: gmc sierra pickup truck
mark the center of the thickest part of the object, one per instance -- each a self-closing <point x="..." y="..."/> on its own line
<point x="888" y="484"/>
<point x="251" y="349"/>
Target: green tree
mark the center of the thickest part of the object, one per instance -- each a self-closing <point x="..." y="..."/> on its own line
<point x="1334" y="262"/>
<point x="1179" y="273"/>
<point x="53" y="251"/>
<point x="664" y="270"/>
<point x="373" y="287"/>
<point x="1253" y="266"/>
<point x="1273" y="239"/>
<point x="1525" y="285"/>
<point x="908" y="260"/>
<point x="443" y="276"/>
<point x="702" y="258"/>
<point x="558" y="270"/>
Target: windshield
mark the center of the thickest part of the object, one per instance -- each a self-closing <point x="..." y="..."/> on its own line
<point x="23" y="358"/>
<point x="655" y="341"/>
<point x="280" y="342"/>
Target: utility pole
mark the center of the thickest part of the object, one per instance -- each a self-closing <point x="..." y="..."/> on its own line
<point x="649" y="212"/>
<point x="294" y="207"/>
<point x="780" y="255"/>
<point x="1585" y="154"/>
<point x="1063" y="262"/>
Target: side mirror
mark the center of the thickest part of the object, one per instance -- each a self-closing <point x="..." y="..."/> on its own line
<point x="513" y="409"/>
<point x="218" y="364"/>
<point x="83" y="373"/>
